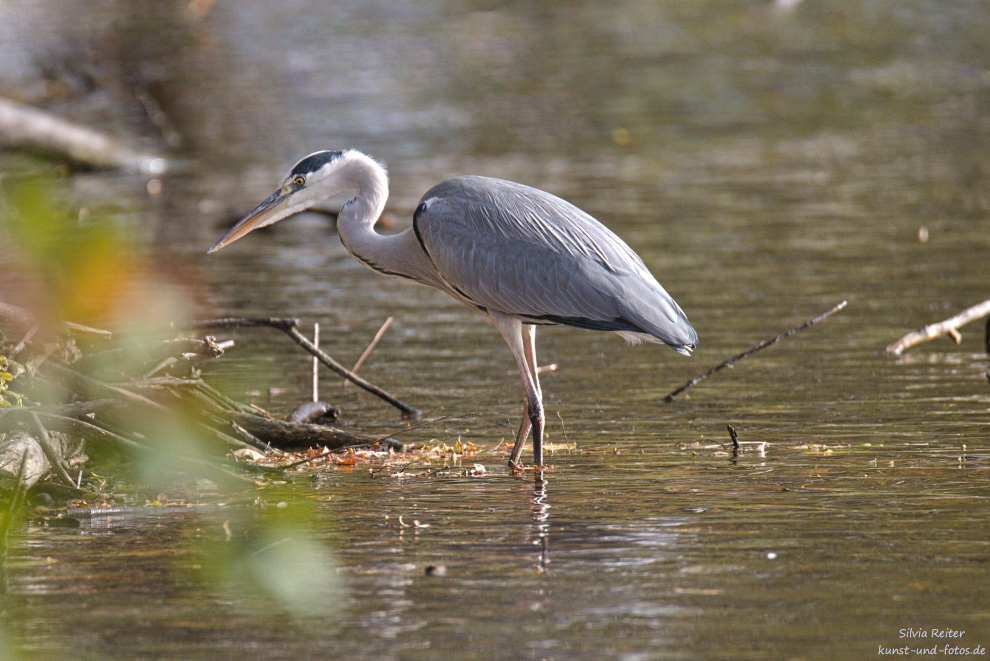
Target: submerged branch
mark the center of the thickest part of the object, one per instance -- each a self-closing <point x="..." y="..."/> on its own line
<point x="762" y="345"/>
<point x="949" y="326"/>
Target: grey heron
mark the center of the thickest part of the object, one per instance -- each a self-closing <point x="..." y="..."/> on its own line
<point x="518" y="255"/>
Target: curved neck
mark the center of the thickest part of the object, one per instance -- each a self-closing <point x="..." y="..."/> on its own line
<point x="397" y="255"/>
<point x="371" y="182"/>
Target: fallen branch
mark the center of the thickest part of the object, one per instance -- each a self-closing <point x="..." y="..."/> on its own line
<point x="156" y="351"/>
<point x="762" y="345"/>
<point x="24" y="125"/>
<point x="81" y="383"/>
<point x="932" y="331"/>
<point x="290" y="327"/>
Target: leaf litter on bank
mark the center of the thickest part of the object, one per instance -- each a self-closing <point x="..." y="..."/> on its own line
<point x="378" y="459"/>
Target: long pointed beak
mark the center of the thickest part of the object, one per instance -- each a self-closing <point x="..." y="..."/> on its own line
<point x="261" y="216"/>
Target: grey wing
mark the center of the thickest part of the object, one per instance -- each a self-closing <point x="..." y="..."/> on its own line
<point x="518" y="250"/>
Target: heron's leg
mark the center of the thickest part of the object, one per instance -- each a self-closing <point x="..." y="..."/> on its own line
<point x="521" y="345"/>
<point x="521" y="437"/>
<point x="536" y="418"/>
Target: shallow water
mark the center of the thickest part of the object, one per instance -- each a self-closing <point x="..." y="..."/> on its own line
<point x="771" y="166"/>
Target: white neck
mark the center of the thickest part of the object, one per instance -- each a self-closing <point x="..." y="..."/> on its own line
<point x="371" y="182"/>
<point x="398" y="255"/>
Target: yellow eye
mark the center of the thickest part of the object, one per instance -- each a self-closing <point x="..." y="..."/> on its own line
<point x="299" y="181"/>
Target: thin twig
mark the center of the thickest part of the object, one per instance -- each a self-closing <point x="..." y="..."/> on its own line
<point x="281" y="323"/>
<point x="316" y="364"/>
<point x="371" y="347"/>
<point x="92" y="428"/>
<point x="88" y="330"/>
<point x="424" y="424"/>
<point x="949" y="326"/>
<point x="373" y="472"/>
<point x="762" y="345"/>
<point x="160" y="366"/>
<point x="563" y="430"/>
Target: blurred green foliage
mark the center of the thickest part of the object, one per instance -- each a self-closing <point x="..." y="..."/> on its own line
<point x="271" y="554"/>
<point x="81" y="263"/>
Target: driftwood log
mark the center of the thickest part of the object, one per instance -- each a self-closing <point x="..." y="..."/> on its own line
<point x="298" y="435"/>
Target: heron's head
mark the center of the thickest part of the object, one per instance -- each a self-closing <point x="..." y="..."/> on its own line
<point x="311" y="180"/>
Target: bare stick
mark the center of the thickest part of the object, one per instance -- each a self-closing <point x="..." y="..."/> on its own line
<point x="932" y="331"/>
<point x="87" y="330"/>
<point x="100" y="389"/>
<point x="54" y="458"/>
<point x="762" y="345"/>
<point x="281" y="323"/>
<point x="735" y="440"/>
<point x="25" y="125"/>
<point x="316" y="364"/>
<point x="72" y="410"/>
<point x="367" y="352"/>
<point x="289" y="327"/>
<point x="64" y="422"/>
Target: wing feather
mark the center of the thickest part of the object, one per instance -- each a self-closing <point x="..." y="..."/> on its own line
<point x="518" y="250"/>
